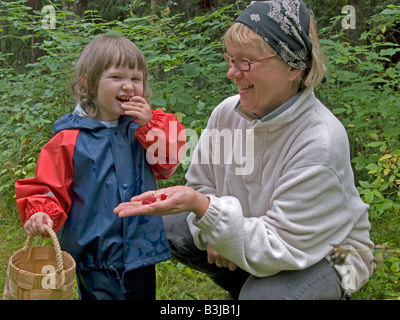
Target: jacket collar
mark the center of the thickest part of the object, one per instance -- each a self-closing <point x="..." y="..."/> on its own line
<point x="283" y="114"/>
<point x="78" y="120"/>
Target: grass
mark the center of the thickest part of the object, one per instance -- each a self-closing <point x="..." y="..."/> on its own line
<point x="176" y="281"/>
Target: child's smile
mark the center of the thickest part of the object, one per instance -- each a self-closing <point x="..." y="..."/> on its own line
<point x="124" y="99"/>
<point x="116" y="87"/>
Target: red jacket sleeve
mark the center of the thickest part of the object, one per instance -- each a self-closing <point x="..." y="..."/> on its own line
<point x="50" y="190"/>
<point x="164" y="139"/>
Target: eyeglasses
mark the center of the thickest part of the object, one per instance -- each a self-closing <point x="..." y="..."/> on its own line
<point x="242" y="64"/>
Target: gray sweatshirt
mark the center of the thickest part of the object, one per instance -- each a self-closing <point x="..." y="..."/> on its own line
<point x="281" y="190"/>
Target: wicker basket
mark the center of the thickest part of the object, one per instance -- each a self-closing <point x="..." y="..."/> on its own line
<point x="28" y="276"/>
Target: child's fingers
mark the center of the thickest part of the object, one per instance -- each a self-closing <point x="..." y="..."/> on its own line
<point x="138" y="99"/>
<point x="34" y="225"/>
<point x="141" y="112"/>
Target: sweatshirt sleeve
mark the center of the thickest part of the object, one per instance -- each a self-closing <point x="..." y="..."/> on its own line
<point x="296" y="232"/>
<point x="50" y="191"/>
<point x="164" y="139"/>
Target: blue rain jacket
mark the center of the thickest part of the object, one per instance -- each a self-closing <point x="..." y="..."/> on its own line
<point x="82" y="174"/>
<point x="110" y="167"/>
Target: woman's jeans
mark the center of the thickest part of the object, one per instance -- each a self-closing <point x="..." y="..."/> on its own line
<point x="320" y="281"/>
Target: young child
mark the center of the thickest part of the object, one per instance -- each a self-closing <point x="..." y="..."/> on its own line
<point x="96" y="160"/>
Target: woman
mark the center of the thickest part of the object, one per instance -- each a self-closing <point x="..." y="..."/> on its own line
<point x="264" y="216"/>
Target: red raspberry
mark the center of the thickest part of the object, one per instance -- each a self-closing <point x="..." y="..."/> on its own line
<point x="153" y="199"/>
<point x="149" y="201"/>
<point x="163" y="196"/>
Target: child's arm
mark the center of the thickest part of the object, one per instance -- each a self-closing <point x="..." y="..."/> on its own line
<point x="50" y="190"/>
<point x="164" y="139"/>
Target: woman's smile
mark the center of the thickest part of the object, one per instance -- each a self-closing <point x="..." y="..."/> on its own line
<point x="267" y="85"/>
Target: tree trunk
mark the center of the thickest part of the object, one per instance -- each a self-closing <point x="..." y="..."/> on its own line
<point x="153" y="7"/>
<point x="78" y="7"/>
<point x="36" y="5"/>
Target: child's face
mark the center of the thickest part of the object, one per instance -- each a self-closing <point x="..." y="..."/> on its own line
<point x="117" y="86"/>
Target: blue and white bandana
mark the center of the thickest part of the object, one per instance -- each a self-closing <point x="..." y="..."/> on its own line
<point x="284" y="25"/>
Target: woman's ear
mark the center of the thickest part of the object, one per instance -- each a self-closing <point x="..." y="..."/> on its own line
<point x="294" y="73"/>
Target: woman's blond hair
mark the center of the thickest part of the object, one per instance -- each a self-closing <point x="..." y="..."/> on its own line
<point x="99" y="55"/>
<point x="240" y="34"/>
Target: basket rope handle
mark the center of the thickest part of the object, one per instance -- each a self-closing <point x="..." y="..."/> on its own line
<point x="57" y="248"/>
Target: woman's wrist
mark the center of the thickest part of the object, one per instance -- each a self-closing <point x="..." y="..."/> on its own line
<point x="202" y="202"/>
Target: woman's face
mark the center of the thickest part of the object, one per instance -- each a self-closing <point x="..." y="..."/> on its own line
<point x="267" y="85"/>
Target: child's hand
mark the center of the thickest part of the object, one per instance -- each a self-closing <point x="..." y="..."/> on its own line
<point x="138" y="108"/>
<point x="34" y="225"/>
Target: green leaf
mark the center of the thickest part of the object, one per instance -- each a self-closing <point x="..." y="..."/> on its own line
<point x="389" y="12"/>
<point x="339" y="110"/>
<point x="159" y="101"/>
<point x="374" y="144"/>
<point x="373" y="168"/>
<point x="389" y="52"/>
<point x="395" y="267"/>
<point x="368" y="197"/>
<point x="364" y="184"/>
<point x="391" y="132"/>
<point x="386" y="156"/>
